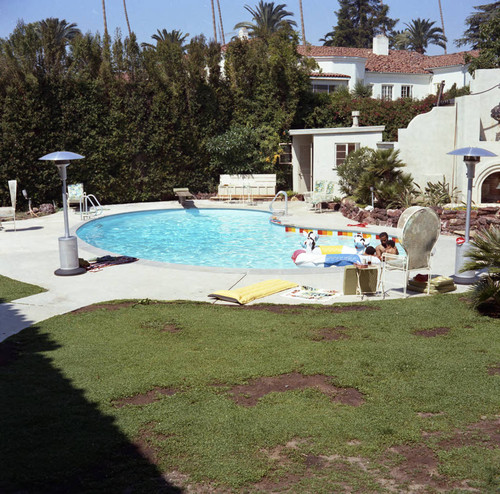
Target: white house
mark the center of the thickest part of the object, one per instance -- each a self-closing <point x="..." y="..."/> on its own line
<point x="423" y="145"/>
<point x="316" y="153"/>
<point x="392" y="74"/>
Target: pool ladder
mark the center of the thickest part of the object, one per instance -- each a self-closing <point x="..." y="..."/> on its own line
<point x="89" y="207"/>
<point x="279" y="212"/>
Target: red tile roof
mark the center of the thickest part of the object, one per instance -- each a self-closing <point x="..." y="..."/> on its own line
<point x="398" y="61"/>
<point x="327" y="74"/>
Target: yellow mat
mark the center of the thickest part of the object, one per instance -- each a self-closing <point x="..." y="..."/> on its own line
<point x="248" y="293"/>
<point x="331" y="249"/>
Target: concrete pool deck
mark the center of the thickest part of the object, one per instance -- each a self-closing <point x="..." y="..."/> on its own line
<point x="31" y="255"/>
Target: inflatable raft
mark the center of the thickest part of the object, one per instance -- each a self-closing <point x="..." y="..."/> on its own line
<point x="331" y="255"/>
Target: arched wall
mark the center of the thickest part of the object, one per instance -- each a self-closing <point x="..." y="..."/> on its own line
<point x="481" y="177"/>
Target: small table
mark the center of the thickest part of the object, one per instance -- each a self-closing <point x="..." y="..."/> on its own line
<point x="367" y="279"/>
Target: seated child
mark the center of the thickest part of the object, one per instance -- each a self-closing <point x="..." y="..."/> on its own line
<point x="391" y="248"/>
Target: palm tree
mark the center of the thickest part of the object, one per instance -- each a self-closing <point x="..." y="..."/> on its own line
<point x="105" y="20"/>
<point x="213" y="18"/>
<point x="54" y="36"/>
<point x="126" y="18"/>
<point x="302" y="23"/>
<point x="175" y="37"/>
<point x="223" y="39"/>
<point x="268" y="19"/>
<point x="485" y="255"/>
<point x="442" y="22"/>
<point x="421" y="33"/>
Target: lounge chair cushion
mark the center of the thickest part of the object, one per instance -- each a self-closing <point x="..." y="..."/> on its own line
<point x="248" y="293"/>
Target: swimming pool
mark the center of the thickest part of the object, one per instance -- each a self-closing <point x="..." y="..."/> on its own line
<point x="229" y="238"/>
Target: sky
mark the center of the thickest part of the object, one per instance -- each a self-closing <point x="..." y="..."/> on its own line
<point x="195" y="16"/>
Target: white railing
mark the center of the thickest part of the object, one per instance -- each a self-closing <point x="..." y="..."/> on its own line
<point x="279" y="212"/>
<point x="90" y="207"/>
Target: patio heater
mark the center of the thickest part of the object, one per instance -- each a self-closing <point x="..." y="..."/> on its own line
<point x="471" y="156"/>
<point x="68" y="245"/>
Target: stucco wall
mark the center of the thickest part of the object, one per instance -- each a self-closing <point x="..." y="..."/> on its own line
<point x="424" y="144"/>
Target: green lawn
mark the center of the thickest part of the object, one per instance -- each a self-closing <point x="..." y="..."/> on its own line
<point x="12" y="290"/>
<point x="424" y="372"/>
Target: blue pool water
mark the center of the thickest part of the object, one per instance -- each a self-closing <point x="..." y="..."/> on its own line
<point x="201" y="237"/>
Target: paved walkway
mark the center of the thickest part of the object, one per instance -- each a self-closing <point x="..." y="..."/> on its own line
<point x="31" y="255"/>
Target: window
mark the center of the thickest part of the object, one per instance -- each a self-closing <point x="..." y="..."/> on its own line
<point x="386" y="92"/>
<point x="406" y="92"/>
<point x="343" y="150"/>
<point x="323" y="88"/>
<point x="285" y="158"/>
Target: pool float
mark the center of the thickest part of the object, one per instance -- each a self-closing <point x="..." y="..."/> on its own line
<point x="329" y="255"/>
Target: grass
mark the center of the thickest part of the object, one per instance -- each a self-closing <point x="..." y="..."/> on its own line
<point x="12" y="290"/>
<point x="63" y="430"/>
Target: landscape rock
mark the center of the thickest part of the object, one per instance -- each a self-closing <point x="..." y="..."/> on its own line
<point x="47" y="209"/>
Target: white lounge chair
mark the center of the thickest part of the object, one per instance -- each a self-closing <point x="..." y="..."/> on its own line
<point x="10" y="211"/>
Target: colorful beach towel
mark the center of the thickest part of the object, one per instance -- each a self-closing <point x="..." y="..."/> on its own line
<point x="105" y="261"/>
<point x="311" y="293"/>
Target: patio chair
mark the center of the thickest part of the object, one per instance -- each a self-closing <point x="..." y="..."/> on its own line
<point x="10" y="211"/>
<point x="420" y="231"/>
<point x="313" y="197"/>
<point x="323" y="192"/>
<point x="75" y="195"/>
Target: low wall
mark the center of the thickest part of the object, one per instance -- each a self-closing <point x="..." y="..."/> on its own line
<point x="452" y="220"/>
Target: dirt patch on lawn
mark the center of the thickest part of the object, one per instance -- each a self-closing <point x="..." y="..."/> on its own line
<point x="145" y="398"/>
<point x="485" y="434"/>
<point x="431" y="332"/>
<point x="249" y="394"/>
<point x="329" y="334"/>
<point x="291" y="309"/>
<point x="494" y="369"/>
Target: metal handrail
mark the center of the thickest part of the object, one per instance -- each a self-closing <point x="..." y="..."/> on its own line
<point x="280" y="212"/>
<point x="95" y="208"/>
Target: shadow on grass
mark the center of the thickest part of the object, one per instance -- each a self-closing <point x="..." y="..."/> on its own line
<point x="53" y="438"/>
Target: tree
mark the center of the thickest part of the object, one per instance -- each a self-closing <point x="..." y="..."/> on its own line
<point x="176" y="37"/>
<point x="380" y="169"/>
<point x="126" y="18"/>
<point x="104" y="18"/>
<point x="54" y="36"/>
<point x="485" y="13"/>
<point x="488" y="44"/>
<point x="302" y="23"/>
<point x="420" y="33"/>
<point x="268" y="19"/>
<point x="358" y="22"/>
<point x="485" y="255"/>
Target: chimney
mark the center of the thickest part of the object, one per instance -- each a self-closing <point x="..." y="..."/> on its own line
<point x="381" y="45"/>
<point x="243" y="33"/>
<point x="355" y="118"/>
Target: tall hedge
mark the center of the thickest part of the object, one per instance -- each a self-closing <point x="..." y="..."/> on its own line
<point x="146" y="119"/>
